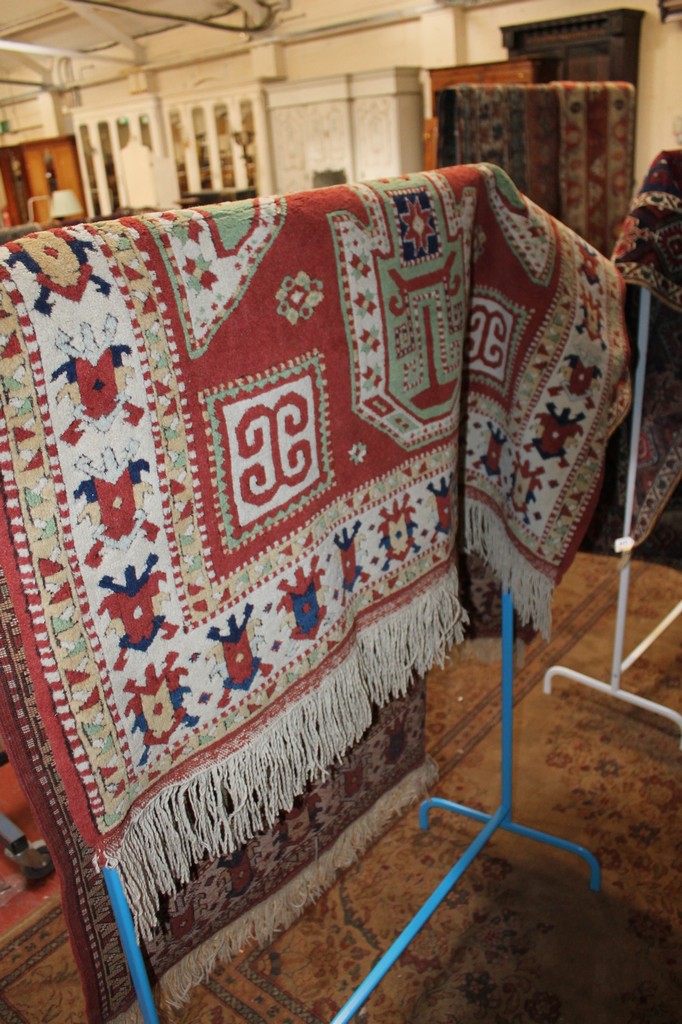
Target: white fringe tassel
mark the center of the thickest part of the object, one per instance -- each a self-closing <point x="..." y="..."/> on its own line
<point x="259" y="925"/>
<point x="189" y="821"/>
<point x="531" y="590"/>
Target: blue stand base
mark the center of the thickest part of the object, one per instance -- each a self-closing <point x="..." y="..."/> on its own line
<point x="500" y="819"/>
<point x="520" y="830"/>
<point x="491" y="822"/>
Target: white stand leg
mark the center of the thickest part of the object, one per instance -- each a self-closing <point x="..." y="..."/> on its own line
<point x="624" y="545"/>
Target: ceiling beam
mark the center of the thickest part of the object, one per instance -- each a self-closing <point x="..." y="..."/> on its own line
<point x="254" y="6"/>
<point x="39" y="86"/>
<point x="255" y="10"/>
<point x="55" y="51"/>
<point x="108" y="30"/>
<point x="24" y="62"/>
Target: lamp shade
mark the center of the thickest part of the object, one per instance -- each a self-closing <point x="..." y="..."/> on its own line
<point x="65" y="204"/>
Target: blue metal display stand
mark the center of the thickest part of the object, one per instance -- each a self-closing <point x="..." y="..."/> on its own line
<point x="133" y="953"/>
<point x="500" y="819"/>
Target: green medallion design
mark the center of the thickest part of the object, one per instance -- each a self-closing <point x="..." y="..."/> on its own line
<point x="406" y="364"/>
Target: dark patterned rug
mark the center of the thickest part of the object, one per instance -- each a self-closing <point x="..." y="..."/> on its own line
<point x="657" y="524"/>
<point x="568" y="146"/>
<point x="649" y="255"/>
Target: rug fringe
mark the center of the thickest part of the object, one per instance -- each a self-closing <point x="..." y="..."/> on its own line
<point x="133" y="1015"/>
<point x="486" y="536"/>
<point x="190" y="820"/>
<point x="259" y="925"/>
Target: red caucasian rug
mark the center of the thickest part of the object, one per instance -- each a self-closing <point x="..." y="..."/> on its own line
<point x="239" y="449"/>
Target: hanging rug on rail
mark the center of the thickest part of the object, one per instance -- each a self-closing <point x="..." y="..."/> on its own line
<point x="648" y="254"/>
<point x="239" y="449"/>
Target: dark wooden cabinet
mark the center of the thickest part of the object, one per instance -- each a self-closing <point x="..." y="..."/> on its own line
<point x="603" y="46"/>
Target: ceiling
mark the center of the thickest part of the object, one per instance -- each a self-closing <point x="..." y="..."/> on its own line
<point x="42" y="41"/>
<point x="35" y="32"/>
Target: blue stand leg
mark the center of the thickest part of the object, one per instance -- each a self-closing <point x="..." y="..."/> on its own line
<point x="500" y="819"/>
<point x="133" y="953"/>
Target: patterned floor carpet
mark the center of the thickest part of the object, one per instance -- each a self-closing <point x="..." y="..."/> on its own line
<point x="521" y="938"/>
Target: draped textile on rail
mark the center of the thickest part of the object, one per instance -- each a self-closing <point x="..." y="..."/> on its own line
<point x="240" y="447"/>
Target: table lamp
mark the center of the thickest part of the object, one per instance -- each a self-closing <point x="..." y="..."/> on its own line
<point x="65" y="204"/>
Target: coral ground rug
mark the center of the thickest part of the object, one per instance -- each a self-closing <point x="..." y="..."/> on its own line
<point x="240" y="448"/>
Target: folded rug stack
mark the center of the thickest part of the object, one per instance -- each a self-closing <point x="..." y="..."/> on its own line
<point x="568" y="146"/>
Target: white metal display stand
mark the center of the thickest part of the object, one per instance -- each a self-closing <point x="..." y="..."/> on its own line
<point x="624" y="546"/>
